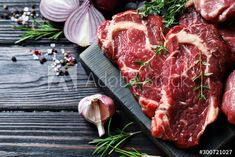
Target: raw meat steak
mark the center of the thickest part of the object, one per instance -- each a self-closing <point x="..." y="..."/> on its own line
<point x="216" y="10"/>
<point x="191" y="16"/>
<point x="227" y="31"/>
<point x="228" y="105"/>
<point x="128" y="41"/>
<point x="195" y="65"/>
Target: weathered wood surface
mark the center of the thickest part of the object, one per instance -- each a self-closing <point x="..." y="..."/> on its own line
<point x="26" y="84"/>
<point x="53" y="134"/>
<point x="8" y="35"/>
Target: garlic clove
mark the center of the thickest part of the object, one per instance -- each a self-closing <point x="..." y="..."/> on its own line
<point x="97" y="109"/>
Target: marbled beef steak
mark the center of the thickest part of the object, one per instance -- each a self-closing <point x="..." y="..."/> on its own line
<point x="184" y="91"/>
<point x="128" y="40"/>
<point x="192" y="84"/>
<point x="228" y="105"/>
<point x="216" y="10"/>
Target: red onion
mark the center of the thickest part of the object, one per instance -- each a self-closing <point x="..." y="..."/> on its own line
<point x="58" y="10"/>
<point x="81" y="26"/>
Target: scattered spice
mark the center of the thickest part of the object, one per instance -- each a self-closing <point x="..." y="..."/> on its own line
<point x="13" y="58"/>
<point x="60" y="61"/>
<point x="66" y="73"/>
<point x="25" y="20"/>
<point x="43" y="60"/>
<point x="37" y="54"/>
<point x="23" y="16"/>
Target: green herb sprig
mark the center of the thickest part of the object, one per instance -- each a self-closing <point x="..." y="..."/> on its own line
<point x="168" y="9"/>
<point x="44" y="29"/>
<point x="109" y="144"/>
<point x="202" y="88"/>
<point x="136" y="81"/>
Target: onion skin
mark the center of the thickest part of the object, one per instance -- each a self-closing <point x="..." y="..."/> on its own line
<point x="81" y="25"/>
<point x="58" y="10"/>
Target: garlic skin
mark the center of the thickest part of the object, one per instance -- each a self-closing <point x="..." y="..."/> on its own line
<point x="97" y="109"/>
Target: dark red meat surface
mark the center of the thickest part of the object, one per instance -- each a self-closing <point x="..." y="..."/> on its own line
<point x="170" y="97"/>
<point x="216" y="10"/>
<point x="181" y="116"/>
<point x="127" y="40"/>
<point x="227" y="31"/>
<point x="228" y="105"/>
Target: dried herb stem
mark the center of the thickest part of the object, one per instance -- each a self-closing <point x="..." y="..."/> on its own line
<point x="42" y="30"/>
<point x="136" y="81"/>
<point x="202" y="87"/>
<point x="109" y="144"/>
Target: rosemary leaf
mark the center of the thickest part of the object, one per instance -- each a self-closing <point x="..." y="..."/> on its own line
<point x="208" y="74"/>
<point x="141" y="63"/>
<point x="107" y="145"/>
<point x="201" y="96"/>
<point x="196" y="88"/>
<point x="36" y="33"/>
<point x="205" y="63"/>
<point x="168" y="9"/>
<point x="136" y="81"/>
<point x="196" y="78"/>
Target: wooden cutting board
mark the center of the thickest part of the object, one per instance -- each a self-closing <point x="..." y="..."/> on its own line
<point x="108" y="77"/>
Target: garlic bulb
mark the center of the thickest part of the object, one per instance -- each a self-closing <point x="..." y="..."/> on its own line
<point x="97" y="109"/>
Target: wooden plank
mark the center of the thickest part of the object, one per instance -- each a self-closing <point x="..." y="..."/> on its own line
<point x="106" y="73"/>
<point x="8" y="35"/>
<point x="28" y="85"/>
<point x="55" y="133"/>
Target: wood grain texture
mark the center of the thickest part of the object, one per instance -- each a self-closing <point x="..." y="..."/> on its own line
<point x="29" y="85"/>
<point x="55" y="134"/>
<point x="8" y="35"/>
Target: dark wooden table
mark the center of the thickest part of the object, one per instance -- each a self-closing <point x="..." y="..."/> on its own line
<point x="38" y="109"/>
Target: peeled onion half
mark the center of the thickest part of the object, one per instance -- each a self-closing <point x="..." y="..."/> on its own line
<point x="81" y="25"/>
<point x="58" y="10"/>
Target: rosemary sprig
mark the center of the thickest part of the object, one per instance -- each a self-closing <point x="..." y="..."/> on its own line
<point x="107" y="145"/>
<point x="136" y="81"/>
<point x="168" y="9"/>
<point x="201" y="87"/>
<point x="42" y="30"/>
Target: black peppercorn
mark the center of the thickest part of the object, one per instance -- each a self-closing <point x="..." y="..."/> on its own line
<point x="66" y="73"/>
<point x="43" y="60"/>
<point x="13" y="58"/>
